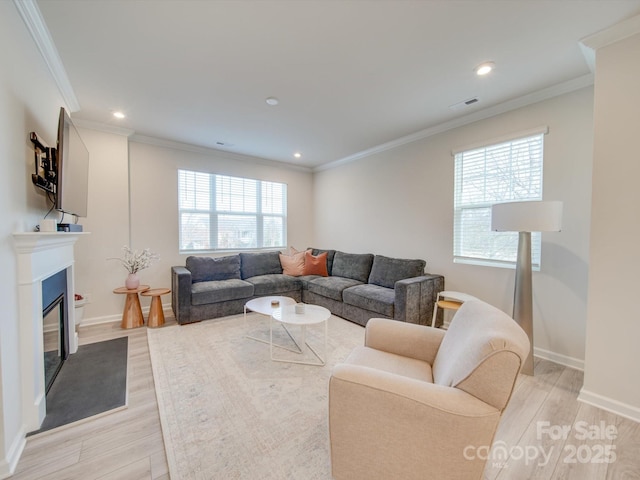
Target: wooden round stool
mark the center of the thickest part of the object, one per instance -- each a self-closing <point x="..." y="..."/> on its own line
<point x="132" y="315"/>
<point x="156" y="315"/>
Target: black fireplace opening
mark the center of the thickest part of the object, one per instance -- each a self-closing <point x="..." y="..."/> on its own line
<point x="54" y="325"/>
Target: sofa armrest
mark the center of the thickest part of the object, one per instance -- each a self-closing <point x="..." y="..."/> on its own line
<point x="404" y="339"/>
<point x="181" y="294"/>
<point x="415" y="298"/>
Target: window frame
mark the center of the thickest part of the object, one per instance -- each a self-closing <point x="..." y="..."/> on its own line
<point x="214" y="214"/>
<point x="509" y="239"/>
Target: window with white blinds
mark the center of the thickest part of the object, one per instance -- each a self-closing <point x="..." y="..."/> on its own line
<point x="503" y="172"/>
<point x="218" y="212"/>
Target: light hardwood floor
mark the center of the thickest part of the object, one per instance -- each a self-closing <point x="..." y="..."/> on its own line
<point x="128" y="444"/>
<point x="124" y="445"/>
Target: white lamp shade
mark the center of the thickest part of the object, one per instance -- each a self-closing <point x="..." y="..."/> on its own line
<point x="533" y="216"/>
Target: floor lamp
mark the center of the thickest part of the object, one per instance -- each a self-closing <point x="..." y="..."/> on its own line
<point x="525" y="217"/>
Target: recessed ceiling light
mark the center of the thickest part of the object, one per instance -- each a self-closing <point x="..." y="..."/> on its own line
<point x="273" y="101"/>
<point x="297" y="155"/>
<point x="119" y="115"/>
<point x="484" y="68"/>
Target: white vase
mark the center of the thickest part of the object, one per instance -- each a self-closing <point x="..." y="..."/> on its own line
<point x="132" y="282"/>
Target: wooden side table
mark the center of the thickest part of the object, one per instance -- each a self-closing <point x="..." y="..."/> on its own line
<point x="132" y="315"/>
<point x="449" y="300"/>
<point x="156" y="315"/>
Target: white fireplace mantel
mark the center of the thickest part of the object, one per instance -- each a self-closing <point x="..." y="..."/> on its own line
<point x="40" y="255"/>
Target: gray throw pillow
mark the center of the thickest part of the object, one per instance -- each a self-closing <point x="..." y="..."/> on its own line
<point x="207" y="269"/>
<point x="387" y="271"/>
<point x="263" y="263"/>
<point x="356" y="266"/>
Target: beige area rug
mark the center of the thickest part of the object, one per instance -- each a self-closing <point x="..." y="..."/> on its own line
<point x="229" y="412"/>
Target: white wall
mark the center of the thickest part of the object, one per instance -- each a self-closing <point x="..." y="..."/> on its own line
<point x="400" y="203"/>
<point x="29" y="101"/>
<point x="133" y="201"/>
<point x="107" y="222"/>
<point x="613" y="333"/>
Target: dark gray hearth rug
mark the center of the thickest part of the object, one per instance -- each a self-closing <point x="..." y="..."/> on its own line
<point x="92" y="381"/>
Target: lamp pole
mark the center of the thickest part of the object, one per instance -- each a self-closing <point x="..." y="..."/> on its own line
<point x="522" y="295"/>
<point x="525" y="217"/>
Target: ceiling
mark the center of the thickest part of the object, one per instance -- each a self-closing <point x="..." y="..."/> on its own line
<point x="349" y="75"/>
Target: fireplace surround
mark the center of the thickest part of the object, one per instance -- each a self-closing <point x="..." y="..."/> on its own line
<point x="41" y="256"/>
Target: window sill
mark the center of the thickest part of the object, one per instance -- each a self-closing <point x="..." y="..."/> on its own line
<point x="491" y="263"/>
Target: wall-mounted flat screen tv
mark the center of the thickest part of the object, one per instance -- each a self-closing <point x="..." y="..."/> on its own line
<point x="72" y="161"/>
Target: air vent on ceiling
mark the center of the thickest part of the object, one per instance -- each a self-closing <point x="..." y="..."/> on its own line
<point x="464" y="103"/>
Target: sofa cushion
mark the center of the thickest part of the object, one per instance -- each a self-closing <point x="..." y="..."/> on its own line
<point x="305" y="279"/>
<point x="263" y="263"/>
<point x="352" y="265"/>
<point x="386" y="271"/>
<point x="273" y="284"/>
<point x="315" y="265"/>
<point x="205" y="269"/>
<point x="331" y="287"/>
<point x="217" y="291"/>
<point x="330" y="255"/>
<point x="371" y="297"/>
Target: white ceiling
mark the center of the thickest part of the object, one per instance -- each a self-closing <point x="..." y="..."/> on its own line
<point x="350" y="75"/>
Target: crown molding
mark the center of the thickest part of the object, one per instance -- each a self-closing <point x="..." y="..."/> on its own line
<point x="32" y="18"/>
<point x="165" y="143"/>
<point x="619" y="31"/>
<point x="535" y="97"/>
<point x="102" y="127"/>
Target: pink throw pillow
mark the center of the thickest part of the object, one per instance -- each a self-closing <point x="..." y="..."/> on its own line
<point x="292" y="264"/>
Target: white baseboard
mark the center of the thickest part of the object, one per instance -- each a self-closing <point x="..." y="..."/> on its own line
<point x="100" y="320"/>
<point x="8" y="465"/>
<point x="610" y="405"/>
<point x="558" y="358"/>
<point x="166" y="308"/>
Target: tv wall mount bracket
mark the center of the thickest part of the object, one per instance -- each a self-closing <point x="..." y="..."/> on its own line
<point x="45" y="165"/>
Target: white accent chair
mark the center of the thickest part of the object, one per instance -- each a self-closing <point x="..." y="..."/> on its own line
<point x="417" y="402"/>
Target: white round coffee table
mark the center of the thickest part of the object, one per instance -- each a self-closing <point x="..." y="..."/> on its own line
<point x="302" y="315"/>
<point x="265" y="306"/>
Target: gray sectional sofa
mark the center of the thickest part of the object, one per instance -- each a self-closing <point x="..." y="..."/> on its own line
<point x="358" y="287"/>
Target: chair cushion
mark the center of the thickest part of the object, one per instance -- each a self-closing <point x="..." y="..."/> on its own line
<point x="263" y="263"/>
<point x="387" y="271"/>
<point x="331" y="287"/>
<point x="273" y="284"/>
<point x="205" y="269"/>
<point x="371" y="297"/>
<point x="391" y="363"/>
<point x="218" y="291"/>
<point x="352" y="265"/>
<point x="481" y="353"/>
